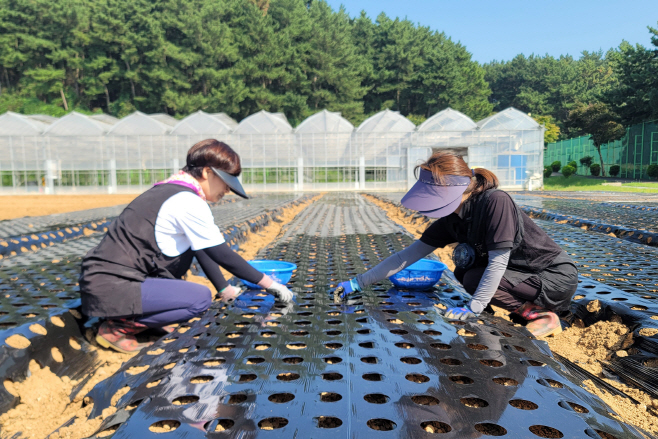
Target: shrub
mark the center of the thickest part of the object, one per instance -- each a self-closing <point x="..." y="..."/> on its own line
<point x="547" y="171"/>
<point x="574" y="165"/>
<point x="614" y="170"/>
<point x="652" y="171"/>
<point x="567" y="171"/>
<point x="595" y="169"/>
<point x="556" y="165"/>
<point x="587" y="161"/>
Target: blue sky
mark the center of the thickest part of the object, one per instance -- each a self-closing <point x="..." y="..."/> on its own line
<point x="501" y="29"/>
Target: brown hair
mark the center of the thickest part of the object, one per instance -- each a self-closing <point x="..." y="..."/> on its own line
<point x="446" y="162"/>
<point x="212" y="153"/>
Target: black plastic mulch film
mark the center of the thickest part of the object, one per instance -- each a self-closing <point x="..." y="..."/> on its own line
<point x="37" y="289"/>
<point x="623" y="278"/>
<point x="384" y="364"/>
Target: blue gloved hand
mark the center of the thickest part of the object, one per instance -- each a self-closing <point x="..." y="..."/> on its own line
<point x="459" y="313"/>
<point x="349" y="287"/>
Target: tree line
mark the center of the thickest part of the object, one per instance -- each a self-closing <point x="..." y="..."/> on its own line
<point x="293" y="56"/>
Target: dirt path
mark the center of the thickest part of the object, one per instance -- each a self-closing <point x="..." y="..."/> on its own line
<point x="18" y="206"/>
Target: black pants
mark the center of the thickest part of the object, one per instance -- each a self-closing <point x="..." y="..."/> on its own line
<point x="507" y="296"/>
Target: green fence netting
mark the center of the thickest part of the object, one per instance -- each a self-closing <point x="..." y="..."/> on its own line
<point x="633" y="153"/>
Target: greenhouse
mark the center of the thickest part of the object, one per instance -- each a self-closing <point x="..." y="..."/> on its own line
<point x="100" y="153"/>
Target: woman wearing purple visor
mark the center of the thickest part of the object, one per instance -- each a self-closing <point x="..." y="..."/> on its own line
<point x="503" y="257"/>
<point x="132" y="278"/>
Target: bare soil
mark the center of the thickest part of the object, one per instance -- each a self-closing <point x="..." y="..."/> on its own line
<point x="18" y="206"/>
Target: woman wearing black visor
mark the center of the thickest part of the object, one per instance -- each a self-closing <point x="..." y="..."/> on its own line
<point x="503" y="257"/>
<point x="133" y="277"/>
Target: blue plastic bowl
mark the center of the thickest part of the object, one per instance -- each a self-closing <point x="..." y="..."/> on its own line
<point x="419" y="275"/>
<point x="280" y="271"/>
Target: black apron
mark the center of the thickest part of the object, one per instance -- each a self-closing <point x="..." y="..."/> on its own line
<point x="113" y="271"/>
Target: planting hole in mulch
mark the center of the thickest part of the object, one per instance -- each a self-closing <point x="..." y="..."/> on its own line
<point x="237" y="398"/>
<point x="425" y="400"/>
<point x="490" y="429"/>
<point x="605" y="435"/>
<point x="224" y="424"/>
<point x="491" y="363"/>
<point x="38" y="329"/>
<point x="153" y="384"/>
<point x="474" y="402"/>
<point x="331" y="376"/>
<point x="296" y="346"/>
<point x="381" y="424"/>
<point x="505" y="381"/>
<point x="450" y="361"/>
<point x="376" y="398"/>
<point x="370" y="360"/>
<point x="460" y="379"/>
<point x="417" y="378"/>
<point x="442" y="346"/>
<point x="332" y="360"/>
<point x="523" y="404"/>
<point x="184" y="400"/>
<point x="255" y="360"/>
<point x="214" y="362"/>
<point x="536" y="363"/>
<point x="372" y="377"/>
<point x="245" y="378"/>
<point x="263" y="346"/>
<point x="281" y="397"/>
<point x="17" y="341"/>
<point x="466" y="333"/>
<point x="435" y="427"/>
<point x="288" y="376"/>
<point x="57" y="355"/>
<point x="544" y="431"/>
<point x="292" y="360"/>
<point x="477" y="347"/>
<point x="330" y="397"/>
<point x="577" y="408"/>
<point x="411" y="360"/>
<point x="272" y="423"/>
<point x="108" y="431"/>
<point x="399" y="331"/>
<point x="431" y="332"/>
<point x="367" y="345"/>
<point x="164" y="426"/>
<point x="404" y="345"/>
<point x="333" y="346"/>
<point x="136" y="370"/>
<point x="329" y="422"/>
<point x="550" y="383"/>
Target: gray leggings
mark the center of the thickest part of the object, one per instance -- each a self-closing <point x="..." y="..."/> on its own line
<point x="507" y="296"/>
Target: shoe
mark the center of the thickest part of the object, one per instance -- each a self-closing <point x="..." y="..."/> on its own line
<point x="120" y="336"/>
<point x="541" y="322"/>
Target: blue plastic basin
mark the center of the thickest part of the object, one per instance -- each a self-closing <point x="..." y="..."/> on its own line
<point x="280" y="271"/>
<point x="419" y="275"/>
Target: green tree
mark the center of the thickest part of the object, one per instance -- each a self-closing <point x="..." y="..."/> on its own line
<point x="551" y="130"/>
<point x="600" y="123"/>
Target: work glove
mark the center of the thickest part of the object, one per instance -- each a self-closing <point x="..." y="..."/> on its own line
<point x="229" y="294"/>
<point x="348" y="287"/>
<point x="281" y="292"/>
<point x="459" y="313"/>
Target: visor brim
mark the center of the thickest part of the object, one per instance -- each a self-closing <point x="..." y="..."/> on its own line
<point x="232" y="182"/>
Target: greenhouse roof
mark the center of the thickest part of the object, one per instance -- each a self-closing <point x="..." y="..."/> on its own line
<point x="14" y="124"/>
<point x="448" y="120"/>
<point x="325" y="122"/>
<point x="264" y="122"/>
<point x="165" y="119"/>
<point x="105" y="118"/>
<point x="139" y="124"/>
<point x="386" y="121"/>
<point x="203" y="123"/>
<point x="76" y="124"/>
<point x="228" y="120"/>
<point x="509" y="119"/>
<point x="44" y="118"/>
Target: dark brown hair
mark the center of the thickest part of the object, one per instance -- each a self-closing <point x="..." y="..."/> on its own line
<point x="212" y="153"/>
<point x="446" y="162"/>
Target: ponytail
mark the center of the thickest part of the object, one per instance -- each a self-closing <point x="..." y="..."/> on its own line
<point x="447" y="162"/>
<point x="484" y="180"/>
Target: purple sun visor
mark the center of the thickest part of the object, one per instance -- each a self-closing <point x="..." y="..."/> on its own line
<point x="434" y="199"/>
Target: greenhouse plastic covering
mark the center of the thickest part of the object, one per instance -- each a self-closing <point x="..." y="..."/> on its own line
<point x="325" y="152"/>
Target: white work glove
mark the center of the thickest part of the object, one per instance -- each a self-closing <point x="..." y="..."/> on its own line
<point x="281" y="292"/>
<point x="229" y="294"/>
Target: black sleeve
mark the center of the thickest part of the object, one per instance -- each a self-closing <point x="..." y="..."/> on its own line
<point x="438" y="234"/>
<point x="501" y="222"/>
<point x="212" y="270"/>
<point x="233" y="262"/>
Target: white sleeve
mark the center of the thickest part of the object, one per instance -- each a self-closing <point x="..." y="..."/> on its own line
<point x="185" y="221"/>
